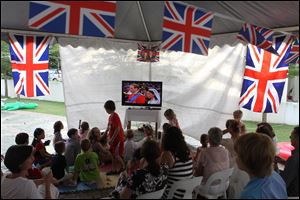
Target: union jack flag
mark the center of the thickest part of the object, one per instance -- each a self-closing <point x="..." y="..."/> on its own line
<point x="258" y="36"/>
<point x="89" y="18"/>
<point x="264" y="76"/>
<point x="148" y="54"/>
<point x="29" y="59"/>
<point x="294" y="54"/>
<point x="186" y="28"/>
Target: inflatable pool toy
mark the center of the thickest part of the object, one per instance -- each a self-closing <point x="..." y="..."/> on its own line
<point x="18" y="105"/>
<point x="285" y="150"/>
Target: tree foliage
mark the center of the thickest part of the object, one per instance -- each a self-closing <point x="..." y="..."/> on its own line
<point x="54" y="58"/>
<point x="5" y="59"/>
<point x="293" y="70"/>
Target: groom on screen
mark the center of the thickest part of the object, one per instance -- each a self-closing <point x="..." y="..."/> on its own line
<point x="135" y="96"/>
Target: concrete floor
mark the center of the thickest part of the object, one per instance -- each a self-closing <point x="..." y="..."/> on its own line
<point x="14" y="122"/>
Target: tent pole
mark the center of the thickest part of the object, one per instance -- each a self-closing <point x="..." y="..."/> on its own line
<point x="147" y="32"/>
<point x="143" y="20"/>
<point x="39" y="33"/>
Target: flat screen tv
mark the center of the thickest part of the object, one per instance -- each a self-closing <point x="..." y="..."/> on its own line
<point x="142" y="93"/>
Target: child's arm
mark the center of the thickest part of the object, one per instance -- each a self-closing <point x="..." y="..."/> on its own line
<point x="44" y="153"/>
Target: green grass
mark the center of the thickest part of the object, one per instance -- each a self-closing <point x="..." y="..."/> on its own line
<point x="47" y="107"/>
<point x="282" y="131"/>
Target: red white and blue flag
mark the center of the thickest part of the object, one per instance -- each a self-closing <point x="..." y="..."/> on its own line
<point x="148" y="54"/>
<point x="29" y="59"/>
<point x="294" y="54"/>
<point x="258" y="36"/>
<point x="186" y="28"/>
<point x="89" y="18"/>
<point x="265" y="76"/>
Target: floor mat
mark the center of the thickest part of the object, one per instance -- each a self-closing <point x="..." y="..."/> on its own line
<point x="106" y="182"/>
<point x="80" y="187"/>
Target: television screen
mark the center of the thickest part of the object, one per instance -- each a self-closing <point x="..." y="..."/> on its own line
<point x="141" y="93"/>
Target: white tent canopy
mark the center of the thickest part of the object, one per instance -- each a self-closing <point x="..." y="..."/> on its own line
<point x="229" y="16"/>
<point x="202" y="90"/>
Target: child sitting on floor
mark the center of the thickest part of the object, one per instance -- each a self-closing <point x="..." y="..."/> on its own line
<point x="84" y="130"/>
<point x="129" y="146"/>
<point x="59" y="164"/>
<point x="41" y="157"/>
<point x="86" y="165"/>
<point x="23" y="139"/>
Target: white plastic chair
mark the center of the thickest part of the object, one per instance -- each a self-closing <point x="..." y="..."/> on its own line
<point x="185" y="186"/>
<point x="210" y="190"/>
<point x="237" y="181"/>
<point x="153" y="195"/>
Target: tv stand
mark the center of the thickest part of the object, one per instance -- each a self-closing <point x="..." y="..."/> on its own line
<point x="154" y="108"/>
<point x="144" y="115"/>
<point x="144" y="108"/>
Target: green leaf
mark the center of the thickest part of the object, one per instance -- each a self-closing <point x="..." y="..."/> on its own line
<point x="293" y="70"/>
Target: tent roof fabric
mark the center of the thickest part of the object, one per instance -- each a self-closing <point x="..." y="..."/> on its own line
<point x="129" y="24"/>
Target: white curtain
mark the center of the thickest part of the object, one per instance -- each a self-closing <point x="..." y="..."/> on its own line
<point x="202" y="90"/>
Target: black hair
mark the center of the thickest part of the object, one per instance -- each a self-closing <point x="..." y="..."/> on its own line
<point x="204" y="139"/>
<point x="84" y="126"/>
<point x="266" y="124"/>
<point x="166" y="126"/>
<point x="265" y="130"/>
<point x="15" y="156"/>
<point x="173" y="141"/>
<point x="110" y="105"/>
<point x="22" y="138"/>
<point x="37" y="132"/>
<point x="229" y="122"/>
<point x="296" y="131"/>
<point x="72" y="132"/>
<point x="235" y="126"/>
<point x="150" y="151"/>
<point x="58" y="125"/>
<point x="137" y="154"/>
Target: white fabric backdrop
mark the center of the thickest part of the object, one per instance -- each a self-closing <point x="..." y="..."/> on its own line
<point x="202" y="90"/>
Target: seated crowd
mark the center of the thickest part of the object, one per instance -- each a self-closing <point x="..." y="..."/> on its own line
<point x="150" y="165"/>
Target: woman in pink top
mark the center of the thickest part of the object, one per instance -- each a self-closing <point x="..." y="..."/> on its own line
<point x="214" y="158"/>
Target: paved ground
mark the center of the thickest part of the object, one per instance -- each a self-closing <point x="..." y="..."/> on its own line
<point x="13" y="122"/>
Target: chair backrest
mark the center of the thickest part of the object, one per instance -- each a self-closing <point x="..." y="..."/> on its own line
<point x="184" y="186"/>
<point x="153" y="195"/>
<point x="237" y="182"/>
<point x="218" y="182"/>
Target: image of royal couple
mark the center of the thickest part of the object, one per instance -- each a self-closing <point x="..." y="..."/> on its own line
<point x="142" y="95"/>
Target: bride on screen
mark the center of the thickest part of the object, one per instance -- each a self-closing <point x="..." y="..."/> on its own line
<point x="153" y="96"/>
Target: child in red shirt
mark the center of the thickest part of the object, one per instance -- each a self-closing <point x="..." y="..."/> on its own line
<point x="116" y="137"/>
